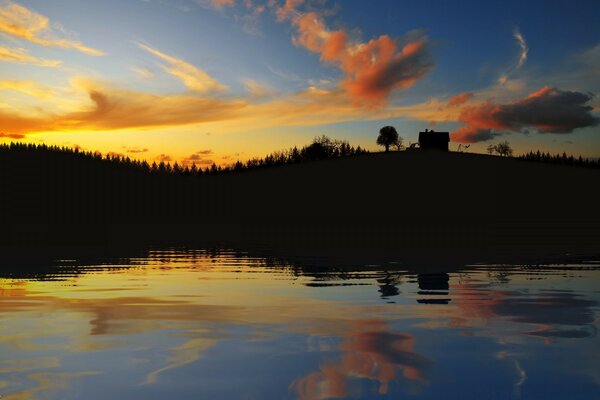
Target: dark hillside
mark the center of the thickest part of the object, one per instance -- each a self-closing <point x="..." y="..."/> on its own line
<point x="416" y="205"/>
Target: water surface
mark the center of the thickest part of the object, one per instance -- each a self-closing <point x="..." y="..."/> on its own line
<point x="224" y="325"/>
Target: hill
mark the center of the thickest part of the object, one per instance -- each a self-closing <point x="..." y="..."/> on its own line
<point x="420" y="206"/>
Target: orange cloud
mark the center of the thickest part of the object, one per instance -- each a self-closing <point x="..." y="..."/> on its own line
<point x="548" y="110"/>
<point x="257" y="89"/>
<point x="113" y="108"/>
<point x="222" y="3"/>
<point x="28" y="87"/>
<point x="107" y="107"/>
<point x="288" y="9"/>
<point x="12" y="135"/>
<point x="21" y="55"/>
<point x="460" y="99"/>
<point x="198" y="158"/>
<point x="372" y="70"/>
<point x="193" y="78"/>
<point x="18" y="21"/>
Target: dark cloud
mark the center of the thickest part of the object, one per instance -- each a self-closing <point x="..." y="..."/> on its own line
<point x="549" y="110"/>
<point x="136" y="150"/>
<point x="198" y="158"/>
<point x="164" y="158"/>
<point x="12" y="135"/>
<point x="554" y="313"/>
<point x="472" y="134"/>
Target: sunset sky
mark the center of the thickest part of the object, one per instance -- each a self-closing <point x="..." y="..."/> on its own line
<point x="218" y="80"/>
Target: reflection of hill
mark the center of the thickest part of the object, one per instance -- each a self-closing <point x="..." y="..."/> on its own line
<point x="422" y="208"/>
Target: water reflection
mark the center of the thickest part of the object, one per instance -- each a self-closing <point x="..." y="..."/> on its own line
<point x="370" y="351"/>
<point x="223" y="324"/>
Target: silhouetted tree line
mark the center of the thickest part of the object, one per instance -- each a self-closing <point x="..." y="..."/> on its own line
<point x="321" y="148"/>
<point x="560" y="159"/>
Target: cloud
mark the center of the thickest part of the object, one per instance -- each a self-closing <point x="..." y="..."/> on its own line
<point x="193" y="78"/>
<point x="285" y="75"/>
<point x="204" y="152"/>
<point x="548" y="110"/>
<point x="524" y="50"/>
<point x="459" y="99"/>
<point x="288" y="9"/>
<point x="222" y="3"/>
<point x="112" y="108"/>
<point x="250" y="21"/>
<point x="12" y="135"/>
<point x="136" y="150"/>
<point x="28" y="87"/>
<point x="20" y="22"/>
<point x="164" y="158"/>
<point x="143" y="72"/>
<point x="107" y="107"/>
<point x="257" y="89"/>
<point x="523" y="54"/>
<point x="21" y="55"/>
<point x="198" y="158"/>
<point x="371" y="70"/>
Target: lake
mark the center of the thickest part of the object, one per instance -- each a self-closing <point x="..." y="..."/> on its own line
<point x="195" y="324"/>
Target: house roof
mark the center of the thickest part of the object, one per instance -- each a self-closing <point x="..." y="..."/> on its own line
<point x="431" y="135"/>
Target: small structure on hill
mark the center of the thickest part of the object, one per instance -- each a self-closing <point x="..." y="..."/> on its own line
<point x="434" y="140"/>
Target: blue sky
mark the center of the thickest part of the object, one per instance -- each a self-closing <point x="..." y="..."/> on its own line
<point x="265" y="74"/>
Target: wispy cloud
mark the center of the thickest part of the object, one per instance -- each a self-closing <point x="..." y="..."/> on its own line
<point x="285" y="75"/>
<point x="460" y="99"/>
<point x="193" y="78"/>
<point x="28" y="87"/>
<point x="288" y="9"/>
<point x="114" y="108"/>
<point x="22" y="56"/>
<point x="135" y="150"/>
<point x="12" y="135"/>
<point x="20" y="22"/>
<point x="143" y="72"/>
<point x="222" y="3"/>
<point x="524" y="50"/>
<point x="257" y="90"/>
<point x="523" y="54"/>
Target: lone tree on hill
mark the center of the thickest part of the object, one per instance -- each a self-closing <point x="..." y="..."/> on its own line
<point x="504" y="149"/>
<point x="387" y="137"/>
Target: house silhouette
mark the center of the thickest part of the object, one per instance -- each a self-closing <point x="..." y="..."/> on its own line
<point x="434" y="140"/>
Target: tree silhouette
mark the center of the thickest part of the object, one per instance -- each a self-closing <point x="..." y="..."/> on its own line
<point x="387" y="137"/>
<point x="399" y="144"/>
<point x="504" y="149"/>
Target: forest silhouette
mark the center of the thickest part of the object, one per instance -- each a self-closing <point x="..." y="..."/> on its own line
<point x="322" y="199"/>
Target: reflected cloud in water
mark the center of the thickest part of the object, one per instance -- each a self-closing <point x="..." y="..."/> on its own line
<point x="372" y="352"/>
<point x="181" y="321"/>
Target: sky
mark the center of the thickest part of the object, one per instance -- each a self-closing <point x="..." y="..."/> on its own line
<point x="203" y="81"/>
